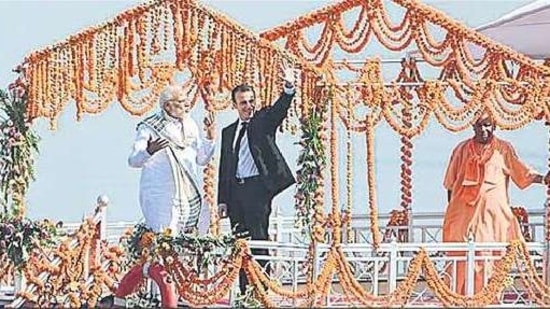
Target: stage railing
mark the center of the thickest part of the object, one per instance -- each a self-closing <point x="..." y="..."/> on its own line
<point x="379" y="271"/>
<point x="423" y="227"/>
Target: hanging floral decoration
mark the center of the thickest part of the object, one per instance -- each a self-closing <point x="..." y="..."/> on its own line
<point x="523" y="219"/>
<point x="309" y="212"/>
<point x="451" y="86"/>
<point x="18" y="147"/>
<point x="178" y="253"/>
<point x="20" y="238"/>
<point x="131" y="58"/>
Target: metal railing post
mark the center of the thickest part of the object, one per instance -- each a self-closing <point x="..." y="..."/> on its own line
<point x="279" y="226"/>
<point x="546" y="256"/>
<point x="393" y="265"/>
<point x="470" y="265"/>
<point x="102" y="203"/>
<point x="410" y="225"/>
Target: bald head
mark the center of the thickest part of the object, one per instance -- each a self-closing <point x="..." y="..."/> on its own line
<point x="172" y="100"/>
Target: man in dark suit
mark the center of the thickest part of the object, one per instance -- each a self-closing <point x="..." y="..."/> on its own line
<point x="252" y="169"/>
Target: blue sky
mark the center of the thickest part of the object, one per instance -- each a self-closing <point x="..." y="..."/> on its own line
<point x="83" y="159"/>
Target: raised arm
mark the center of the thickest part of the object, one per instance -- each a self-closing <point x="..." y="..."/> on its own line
<point x="204" y="147"/>
<point x="278" y="111"/>
<point x="207" y="147"/>
<point x="205" y="151"/>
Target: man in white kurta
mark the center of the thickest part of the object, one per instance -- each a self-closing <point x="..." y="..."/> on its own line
<point x="168" y="148"/>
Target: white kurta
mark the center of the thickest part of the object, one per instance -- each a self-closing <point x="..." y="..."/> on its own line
<point x="157" y="186"/>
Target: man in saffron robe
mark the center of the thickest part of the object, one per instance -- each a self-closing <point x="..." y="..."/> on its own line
<point x="477" y="181"/>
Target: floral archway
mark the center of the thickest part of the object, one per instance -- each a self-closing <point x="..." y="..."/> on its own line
<point x="437" y="75"/>
<point x="131" y="58"/>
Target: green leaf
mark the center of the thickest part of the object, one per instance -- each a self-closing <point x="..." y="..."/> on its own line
<point x="18" y="156"/>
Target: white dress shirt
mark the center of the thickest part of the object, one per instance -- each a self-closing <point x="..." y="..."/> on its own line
<point x="157" y="186"/>
<point x="246" y="166"/>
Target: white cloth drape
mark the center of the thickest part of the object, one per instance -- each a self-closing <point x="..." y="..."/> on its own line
<point x="157" y="186"/>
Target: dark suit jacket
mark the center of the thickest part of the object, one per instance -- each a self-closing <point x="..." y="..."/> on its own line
<point x="273" y="169"/>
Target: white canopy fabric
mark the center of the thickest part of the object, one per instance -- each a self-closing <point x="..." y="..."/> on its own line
<point x="525" y="29"/>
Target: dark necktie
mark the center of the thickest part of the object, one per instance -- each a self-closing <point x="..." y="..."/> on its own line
<point x="244" y="126"/>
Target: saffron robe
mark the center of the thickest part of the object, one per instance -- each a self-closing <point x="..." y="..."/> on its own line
<point x="478" y="176"/>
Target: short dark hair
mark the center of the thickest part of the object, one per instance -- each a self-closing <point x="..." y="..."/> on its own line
<point x="242" y="88"/>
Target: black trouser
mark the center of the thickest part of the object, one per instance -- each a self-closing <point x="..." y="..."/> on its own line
<point x="249" y="212"/>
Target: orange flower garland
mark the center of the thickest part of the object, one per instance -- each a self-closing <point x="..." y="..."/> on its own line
<point x="200" y="292"/>
<point x="103" y="62"/>
<point x="523" y="219"/>
<point x="452" y="57"/>
<point x="371" y="181"/>
<point x="68" y="277"/>
<point x="100" y="61"/>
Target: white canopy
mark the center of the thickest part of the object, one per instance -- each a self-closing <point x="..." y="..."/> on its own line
<point x="525" y="29"/>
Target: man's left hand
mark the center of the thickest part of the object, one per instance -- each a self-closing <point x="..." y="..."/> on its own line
<point x="289" y="76"/>
<point x="546" y="179"/>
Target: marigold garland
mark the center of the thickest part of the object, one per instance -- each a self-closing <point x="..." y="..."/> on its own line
<point x="199" y="291"/>
<point x="523" y="219"/>
<point x="513" y="101"/>
<point x="371" y="181"/>
<point x="110" y="60"/>
<point x="103" y="62"/>
<point x="310" y="181"/>
<point x="334" y="170"/>
<point x="66" y="281"/>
